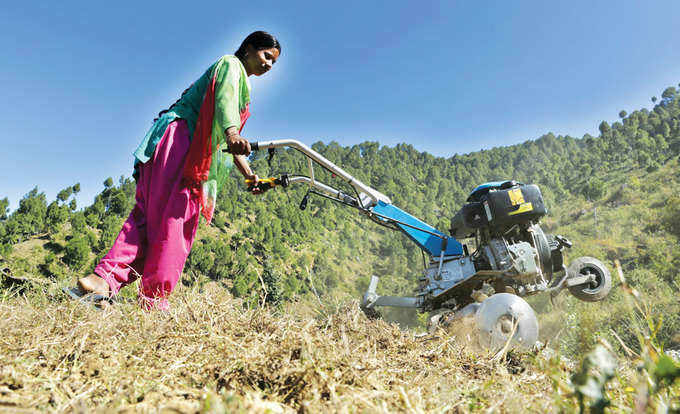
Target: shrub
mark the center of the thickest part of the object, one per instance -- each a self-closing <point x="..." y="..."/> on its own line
<point x="77" y="252"/>
<point x="56" y="216"/>
<point x="671" y="214"/>
<point x="272" y="282"/>
<point x="78" y="222"/>
<point x="110" y="228"/>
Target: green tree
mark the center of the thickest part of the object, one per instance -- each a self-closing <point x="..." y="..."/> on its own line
<point x="5" y="248"/>
<point x="77" y="252"/>
<point x="594" y="189"/>
<point x="118" y="204"/>
<point x="223" y="260"/>
<point x="200" y="258"/>
<point x="95" y="212"/>
<point x="604" y="128"/>
<point x="271" y="279"/>
<point x="51" y="267"/>
<point x="671" y="214"/>
<point x="110" y="227"/>
<point x="668" y="95"/>
<point x="78" y="222"/>
<point x="4" y="208"/>
<point x="29" y="219"/>
<point x="65" y="194"/>
<point x="56" y="216"/>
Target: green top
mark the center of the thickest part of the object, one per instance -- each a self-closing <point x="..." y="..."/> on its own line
<point x="232" y="95"/>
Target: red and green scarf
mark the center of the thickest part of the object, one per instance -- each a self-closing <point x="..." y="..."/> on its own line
<point x="207" y="166"/>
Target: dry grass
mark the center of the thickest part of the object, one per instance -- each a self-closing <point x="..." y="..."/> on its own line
<point x="208" y="354"/>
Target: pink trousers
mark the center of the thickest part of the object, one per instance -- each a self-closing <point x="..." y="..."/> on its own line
<point x="157" y="236"/>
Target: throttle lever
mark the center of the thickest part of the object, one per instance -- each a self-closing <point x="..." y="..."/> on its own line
<point x="266" y="184"/>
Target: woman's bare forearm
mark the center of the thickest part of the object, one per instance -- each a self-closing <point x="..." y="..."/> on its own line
<point x="242" y="165"/>
<point x="240" y="148"/>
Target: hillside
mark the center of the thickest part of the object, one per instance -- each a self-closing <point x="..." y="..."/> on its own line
<point x="615" y="196"/>
<point x="210" y="354"/>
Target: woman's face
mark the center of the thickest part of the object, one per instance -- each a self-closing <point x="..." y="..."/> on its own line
<point x="258" y="62"/>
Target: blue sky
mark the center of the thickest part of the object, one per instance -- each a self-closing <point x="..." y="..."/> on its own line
<point x="81" y="81"/>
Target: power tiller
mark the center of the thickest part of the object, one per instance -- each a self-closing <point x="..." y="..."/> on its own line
<point x="513" y="257"/>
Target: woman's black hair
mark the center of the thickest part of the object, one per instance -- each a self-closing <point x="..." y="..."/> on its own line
<point x="259" y="40"/>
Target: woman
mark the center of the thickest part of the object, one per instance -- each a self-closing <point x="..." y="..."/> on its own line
<point x="178" y="167"/>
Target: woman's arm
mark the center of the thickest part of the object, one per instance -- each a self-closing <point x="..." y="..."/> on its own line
<point x="240" y="147"/>
<point x="242" y="165"/>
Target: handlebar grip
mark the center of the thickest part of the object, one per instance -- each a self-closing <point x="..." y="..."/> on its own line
<point x="254" y="146"/>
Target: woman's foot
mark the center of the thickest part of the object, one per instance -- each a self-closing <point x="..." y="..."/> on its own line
<point x="93" y="283"/>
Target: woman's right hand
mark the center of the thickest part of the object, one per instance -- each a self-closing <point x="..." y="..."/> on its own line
<point x="238" y="145"/>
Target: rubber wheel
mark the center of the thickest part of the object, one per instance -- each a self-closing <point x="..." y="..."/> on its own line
<point x="593" y="291"/>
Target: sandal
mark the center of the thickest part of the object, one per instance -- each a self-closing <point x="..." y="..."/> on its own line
<point x="98" y="300"/>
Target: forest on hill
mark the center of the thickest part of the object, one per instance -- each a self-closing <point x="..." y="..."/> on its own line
<point x="611" y="194"/>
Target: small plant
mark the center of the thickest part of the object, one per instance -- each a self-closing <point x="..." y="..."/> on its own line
<point x="658" y="372"/>
<point x="654" y="383"/>
<point x="598" y="367"/>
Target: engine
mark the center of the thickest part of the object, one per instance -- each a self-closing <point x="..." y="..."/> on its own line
<point x="511" y="252"/>
<point x="504" y="219"/>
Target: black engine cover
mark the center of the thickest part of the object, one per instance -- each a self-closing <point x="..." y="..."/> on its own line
<point x="520" y="204"/>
